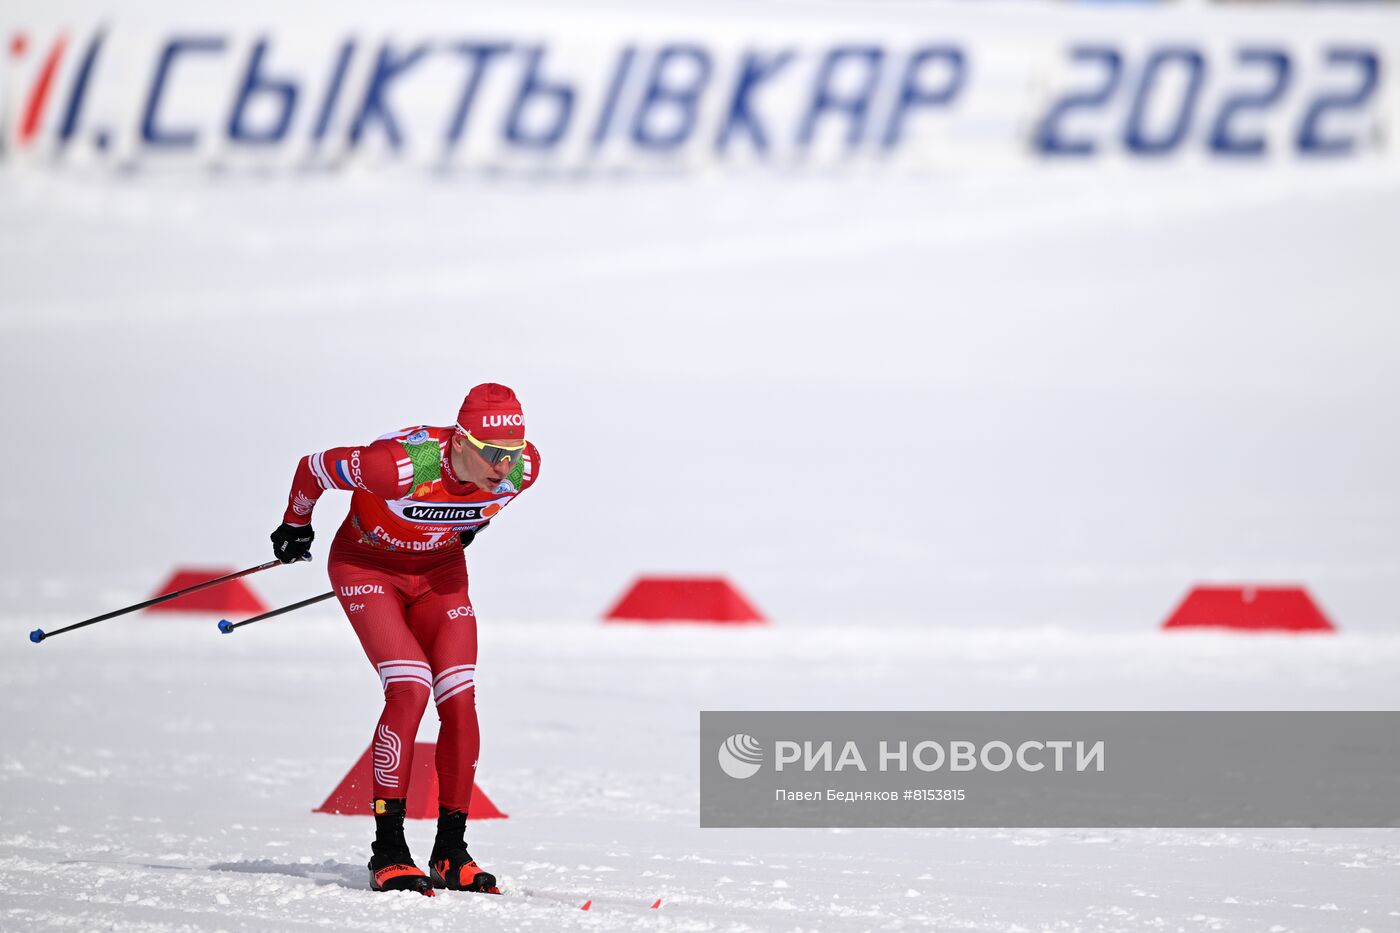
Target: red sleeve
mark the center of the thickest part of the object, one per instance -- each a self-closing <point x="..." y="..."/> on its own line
<point x="381" y="469"/>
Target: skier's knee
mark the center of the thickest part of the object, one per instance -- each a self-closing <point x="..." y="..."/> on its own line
<point x="456" y="684"/>
<point x="409" y="698"/>
<point x="407" y="684"/>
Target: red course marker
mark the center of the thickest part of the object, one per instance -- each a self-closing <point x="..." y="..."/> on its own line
<point x="357" y="786"/>
<point x="684" y="599"/>
<point x="1251" y="609"/>
<point x="587" y="904"/>
<point x="234" y="596"/>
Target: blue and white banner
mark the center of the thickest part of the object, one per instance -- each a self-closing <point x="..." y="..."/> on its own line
<point x="921" y="91"/>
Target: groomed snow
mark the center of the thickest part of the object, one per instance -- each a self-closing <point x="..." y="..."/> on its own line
<point x="159" y="776"/>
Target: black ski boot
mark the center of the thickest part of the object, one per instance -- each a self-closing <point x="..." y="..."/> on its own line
<point x="452" y="866"/>
<point x="391" y="867"/>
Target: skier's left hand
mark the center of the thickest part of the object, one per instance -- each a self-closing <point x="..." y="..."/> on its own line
<point x="468" y="536"/>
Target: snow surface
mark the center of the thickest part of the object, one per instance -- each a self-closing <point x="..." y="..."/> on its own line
<point x="159" y="776"/>
<point x="1096" y="386"/>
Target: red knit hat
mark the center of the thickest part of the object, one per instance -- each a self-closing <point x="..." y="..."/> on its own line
<point x="491" y="412"/>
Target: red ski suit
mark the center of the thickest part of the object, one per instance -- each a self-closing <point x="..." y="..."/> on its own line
<point x="400" y="575"/>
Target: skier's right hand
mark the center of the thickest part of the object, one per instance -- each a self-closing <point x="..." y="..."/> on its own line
<point x="292" y="542"/>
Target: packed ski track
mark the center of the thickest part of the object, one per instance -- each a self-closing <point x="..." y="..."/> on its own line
<point x="161" y="777"/>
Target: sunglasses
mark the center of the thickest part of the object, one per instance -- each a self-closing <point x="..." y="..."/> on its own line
<point x="494" y="453"/>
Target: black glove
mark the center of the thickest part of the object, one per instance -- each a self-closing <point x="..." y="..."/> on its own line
<point x="292" y="542"/>
<point x="468" y="536"/>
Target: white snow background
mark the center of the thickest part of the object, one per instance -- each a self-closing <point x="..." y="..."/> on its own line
<point x="966" y="439"/>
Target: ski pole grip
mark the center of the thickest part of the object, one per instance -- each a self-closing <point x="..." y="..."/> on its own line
<point x="226" y="626"/>
<point x="36" y="636"/>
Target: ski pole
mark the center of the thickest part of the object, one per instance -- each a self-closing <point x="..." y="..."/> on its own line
<point x="227" y="627"/>
<point x="39" y="634"/>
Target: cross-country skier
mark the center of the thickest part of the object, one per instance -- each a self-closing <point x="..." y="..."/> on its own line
<point x="420" y="495"/>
